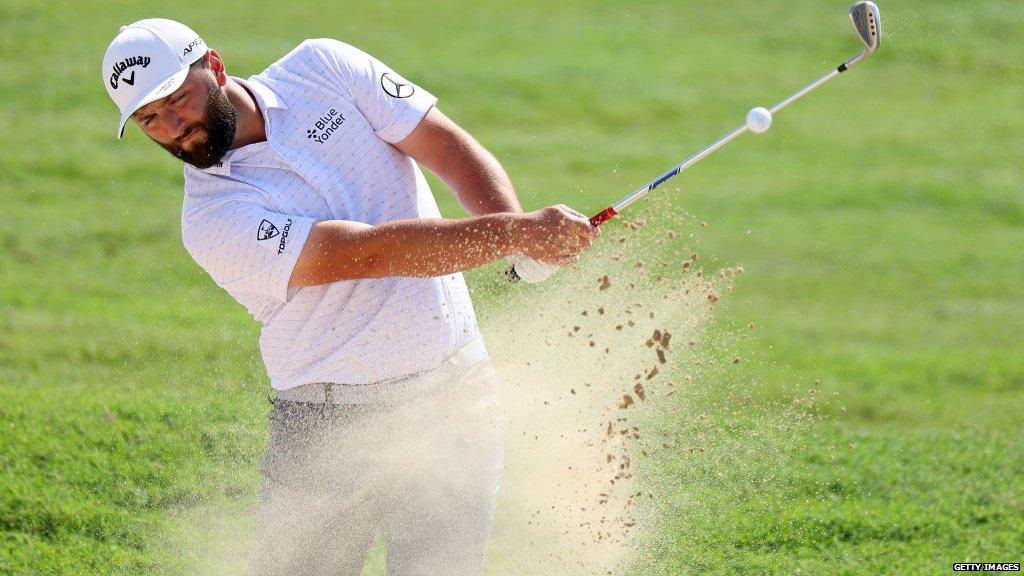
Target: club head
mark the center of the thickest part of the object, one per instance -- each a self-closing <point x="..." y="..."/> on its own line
<point x="868" y="22"/>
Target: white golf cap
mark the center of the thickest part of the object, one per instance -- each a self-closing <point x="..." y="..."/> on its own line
<point x="148" y="60"/>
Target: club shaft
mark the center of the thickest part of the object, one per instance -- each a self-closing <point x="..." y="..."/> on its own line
<point x="803" y="91"/>
<point x="704" y="153"/>
<point x="714" y="146"/>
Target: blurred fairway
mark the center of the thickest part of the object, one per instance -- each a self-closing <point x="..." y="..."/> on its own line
<point x="880" y="223"/>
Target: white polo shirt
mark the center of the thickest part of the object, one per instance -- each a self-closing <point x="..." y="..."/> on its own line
<point x="331" y="111"/>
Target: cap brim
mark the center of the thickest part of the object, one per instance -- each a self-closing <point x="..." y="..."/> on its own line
<point x="159" y="91"/>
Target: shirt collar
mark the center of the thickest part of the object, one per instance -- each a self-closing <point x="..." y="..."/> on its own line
<point x="265" y="97"/>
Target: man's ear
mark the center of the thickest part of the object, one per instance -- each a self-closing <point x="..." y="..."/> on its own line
<point x="216" y="65"/>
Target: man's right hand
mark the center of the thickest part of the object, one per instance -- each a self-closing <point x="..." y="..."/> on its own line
<point x="553" y="235"/>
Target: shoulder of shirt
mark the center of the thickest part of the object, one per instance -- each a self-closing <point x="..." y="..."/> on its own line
<point x="208" y="198"/>
<point x="205" y="191"/>
<point x="323" y="62"/>
<point x="315" y="50"/>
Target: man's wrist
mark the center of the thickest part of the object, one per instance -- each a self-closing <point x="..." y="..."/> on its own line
<point x="508" y="232"/>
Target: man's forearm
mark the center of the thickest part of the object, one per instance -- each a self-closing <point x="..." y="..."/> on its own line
<point x="479" y="181"/>
<point x="341" y="250"/>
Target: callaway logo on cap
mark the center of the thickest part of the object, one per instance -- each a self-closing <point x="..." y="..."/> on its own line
<point x="147" y="61"/>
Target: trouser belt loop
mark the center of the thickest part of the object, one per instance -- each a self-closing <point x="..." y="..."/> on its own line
<point x="328" y="393"/>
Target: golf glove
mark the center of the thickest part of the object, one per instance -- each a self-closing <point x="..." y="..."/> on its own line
<point x="530" y="270"/>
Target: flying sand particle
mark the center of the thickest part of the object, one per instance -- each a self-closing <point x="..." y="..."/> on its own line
<point x="640" y="392"/>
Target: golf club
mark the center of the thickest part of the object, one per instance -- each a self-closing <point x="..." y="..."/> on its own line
<point x="868" y="23"/>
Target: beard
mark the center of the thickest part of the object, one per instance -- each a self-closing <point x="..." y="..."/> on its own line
<point x="218" y="125"/>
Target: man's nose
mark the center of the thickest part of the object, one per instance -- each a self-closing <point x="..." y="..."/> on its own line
<point x="175" y="122"/>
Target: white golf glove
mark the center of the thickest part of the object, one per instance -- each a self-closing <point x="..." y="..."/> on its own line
<point x="530" y="270"/>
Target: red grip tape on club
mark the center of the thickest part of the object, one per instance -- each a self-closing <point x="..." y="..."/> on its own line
<point x="603" y="216"/>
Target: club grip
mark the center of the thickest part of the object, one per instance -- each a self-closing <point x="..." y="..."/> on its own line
<point x="595" y="220"/>
<point x="603" y="216"/>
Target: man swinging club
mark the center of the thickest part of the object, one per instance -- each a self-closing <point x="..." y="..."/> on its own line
<point x="303" y="200"/>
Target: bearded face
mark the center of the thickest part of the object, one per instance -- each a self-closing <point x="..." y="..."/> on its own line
<point x="204" y="141"/>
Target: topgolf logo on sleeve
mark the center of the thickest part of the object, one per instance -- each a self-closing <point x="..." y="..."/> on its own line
<point x="267" y="230"/>
<point x="284" y="236"/>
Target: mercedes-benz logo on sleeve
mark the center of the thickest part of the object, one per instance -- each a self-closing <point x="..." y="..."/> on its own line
<point x="396" y="86"/>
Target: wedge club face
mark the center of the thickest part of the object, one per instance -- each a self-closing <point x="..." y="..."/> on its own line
<point x="868" y="23"/>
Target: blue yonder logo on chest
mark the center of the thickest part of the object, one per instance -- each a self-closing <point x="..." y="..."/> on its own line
<point x="325" y="126"/>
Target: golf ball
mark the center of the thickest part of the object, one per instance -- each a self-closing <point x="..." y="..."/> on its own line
<point x="759" y="120"/>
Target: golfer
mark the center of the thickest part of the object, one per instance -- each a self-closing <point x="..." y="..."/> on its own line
<point x="304" y="201"/>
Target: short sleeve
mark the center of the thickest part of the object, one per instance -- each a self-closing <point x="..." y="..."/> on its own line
<point x="246" y="248"/>
<point x="393" y="105"/>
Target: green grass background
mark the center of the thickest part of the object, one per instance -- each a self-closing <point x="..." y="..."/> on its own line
<point x="880" y="224"/>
